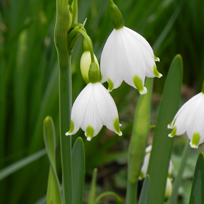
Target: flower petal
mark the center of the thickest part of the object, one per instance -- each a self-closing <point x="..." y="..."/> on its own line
<point x="130" y="59"/>
<point x="194" y="123"/>
<point x="78" y="108"/>
<point x="109" y="61"/>
<point x="147" y="53"/>
<point x="91" y="116"/>
<point x="106" y="108"/>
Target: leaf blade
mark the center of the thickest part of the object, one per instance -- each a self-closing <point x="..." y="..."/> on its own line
<point x="53" y="190"/>
<point x="162" y="145"/>
<point x="78" y="169"/>
<point x="197" y="195"/>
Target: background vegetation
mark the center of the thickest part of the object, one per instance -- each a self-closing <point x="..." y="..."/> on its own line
<point x="29" y="87"/>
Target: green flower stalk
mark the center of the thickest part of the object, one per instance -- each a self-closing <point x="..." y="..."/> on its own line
<point x="61" y="29"/>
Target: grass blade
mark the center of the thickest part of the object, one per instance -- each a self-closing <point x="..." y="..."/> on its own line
<point x="20" y="164"/>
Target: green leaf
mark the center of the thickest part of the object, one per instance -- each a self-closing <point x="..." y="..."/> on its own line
<point x="93" y="187"/>
<point x="20" y="164"/>
<point x="145" y="191"/>
<point x="53" y="190"/>
<point x="162" y="144"/>
<point x="78" y="169"/>
<point x="197" y="195"/>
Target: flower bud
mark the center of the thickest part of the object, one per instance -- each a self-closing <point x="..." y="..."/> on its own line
<point x="94" y="73"/>
<point x="115" y="16"/>
<point x="168" y="189"/>
<point x="85" y="64"/>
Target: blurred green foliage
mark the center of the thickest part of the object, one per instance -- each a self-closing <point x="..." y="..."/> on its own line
<point x="29" y="78"/>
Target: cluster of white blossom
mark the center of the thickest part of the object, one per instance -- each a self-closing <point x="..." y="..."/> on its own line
<point x="126" y="56"/>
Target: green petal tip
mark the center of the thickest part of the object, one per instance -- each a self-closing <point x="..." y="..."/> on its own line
<point x="71" y="129"/>
<point x="173" y="132"/>
<point x="155" y="72"/>
<point x="89" y="132"/>
<point x="110" y="84"/>
<point x="116" y="126"/>
<point x="195" y="140"/>
<point x="156" y="59"/>
<point x="139" y="85"/>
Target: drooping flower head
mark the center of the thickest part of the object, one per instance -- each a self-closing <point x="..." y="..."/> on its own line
<point x="144" y="169"/>
<point x="94" y="107"/>
<point x="127" y="56"/>
<point x="190" y="119"/>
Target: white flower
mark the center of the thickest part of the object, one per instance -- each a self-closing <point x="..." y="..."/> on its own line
<point x="144" y="168"/>
<point x="190" y="119"/>
<point x="93" y="108"/>
<point x="127" y="56"/>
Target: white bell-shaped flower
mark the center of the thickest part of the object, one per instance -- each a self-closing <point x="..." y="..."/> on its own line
<point x="127" y="56"/>
<point x="93" y="108"/>
<point x="190" y="119"/>
<point x="144" y="168"/>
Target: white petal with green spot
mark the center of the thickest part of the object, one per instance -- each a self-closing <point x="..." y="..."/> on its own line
<point x="190" y="119"/>
<point x="93" y="108"/>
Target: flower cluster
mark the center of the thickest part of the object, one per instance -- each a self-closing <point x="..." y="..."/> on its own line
<point x="126" y="56"/>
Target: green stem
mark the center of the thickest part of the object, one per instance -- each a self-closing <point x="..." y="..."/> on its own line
<point x="65" y="121"/>
<point x="131" y="197"/>
<point x="61" y="30"/>
<point x="136" y="151"/>
<point x="86" y="38"/>
<point x="177" y="181"/>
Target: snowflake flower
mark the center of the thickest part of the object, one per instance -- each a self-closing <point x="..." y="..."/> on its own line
<point x="189" y="119"/>
<point x="128" y="57"/>
<point x="93" y="108"/>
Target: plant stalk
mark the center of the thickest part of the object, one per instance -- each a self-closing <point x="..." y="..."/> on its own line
<point x="65" y="121"/>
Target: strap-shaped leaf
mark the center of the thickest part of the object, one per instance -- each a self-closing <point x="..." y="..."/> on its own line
<point x="162" y="144"/>
<point x="53" y="190"/>
<point x="144" y="195"/>
<point x="197" y="191"/>
<point x="78" y="169"/>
